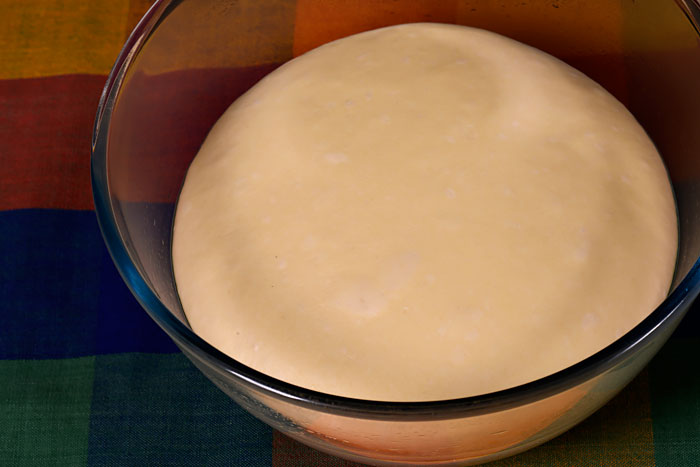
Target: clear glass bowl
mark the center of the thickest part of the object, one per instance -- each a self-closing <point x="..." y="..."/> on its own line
<point x="188" y="60"/>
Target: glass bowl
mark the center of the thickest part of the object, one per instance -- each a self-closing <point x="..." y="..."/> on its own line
<point x="187" y="60"/>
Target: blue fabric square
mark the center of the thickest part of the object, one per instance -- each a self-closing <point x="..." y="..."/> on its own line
<point x="123" y="325"/>
<point x="48" y="283"/>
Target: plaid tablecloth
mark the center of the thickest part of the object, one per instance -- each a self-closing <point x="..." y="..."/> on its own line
<point x="87" y="378"/>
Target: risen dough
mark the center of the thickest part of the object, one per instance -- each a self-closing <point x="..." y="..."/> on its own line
<point x="422" y="212"/>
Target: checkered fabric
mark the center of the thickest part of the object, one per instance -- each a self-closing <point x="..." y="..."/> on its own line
<point x="86" y="378"/>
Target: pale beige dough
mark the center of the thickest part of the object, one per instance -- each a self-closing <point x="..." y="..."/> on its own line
<point x="422" y="212"/>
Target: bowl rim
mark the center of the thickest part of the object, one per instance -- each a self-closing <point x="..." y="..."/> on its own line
<point x="665" y="316"/>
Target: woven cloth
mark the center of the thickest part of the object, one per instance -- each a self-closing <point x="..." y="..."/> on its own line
<point x="86" y="378"/>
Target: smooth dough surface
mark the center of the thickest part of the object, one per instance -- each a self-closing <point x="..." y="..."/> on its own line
<point x="422" y="212"/>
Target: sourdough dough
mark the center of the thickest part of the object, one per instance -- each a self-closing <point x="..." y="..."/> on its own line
<point x="422" y="212"/>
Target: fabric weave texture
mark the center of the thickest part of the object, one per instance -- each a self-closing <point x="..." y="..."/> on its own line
<point x="86" y="378"/>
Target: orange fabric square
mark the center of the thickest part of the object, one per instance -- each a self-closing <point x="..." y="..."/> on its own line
<point x="561" y="27"/>
<point x="620" y="433"/>
<point x="588" y="34"/>
<point x="318" y="22"/>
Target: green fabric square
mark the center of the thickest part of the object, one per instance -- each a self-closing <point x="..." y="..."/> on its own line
<point x="45" y="411"/>
<point x="675" y="403"/>
<point x="158" y="410"/>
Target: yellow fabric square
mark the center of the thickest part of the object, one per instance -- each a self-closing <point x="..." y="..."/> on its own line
<point x="137" y="8"/>
<point x="56" y="37"/>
